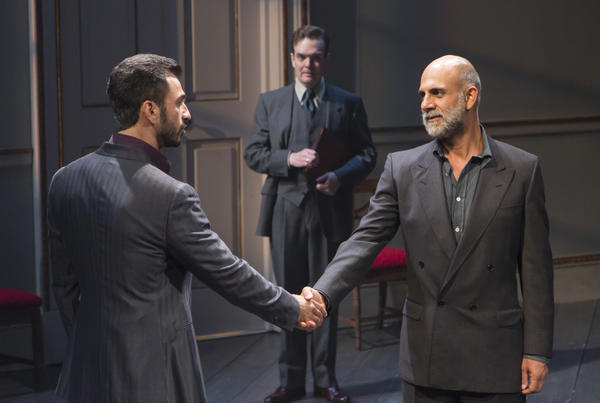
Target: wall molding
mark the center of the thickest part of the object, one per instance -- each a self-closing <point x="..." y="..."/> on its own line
<point x="497" y="129"/>
<point x="16" y="151"/>
<point x="589" y="258"/>
<point x="11" y="157"/>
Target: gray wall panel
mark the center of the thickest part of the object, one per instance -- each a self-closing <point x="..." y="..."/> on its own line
<point x="17" y="258"/>
<point x="572" y="191"/>
<point x="536" y="59"/>
<point x="105" y="22"/>
<point x="14" y="77"/>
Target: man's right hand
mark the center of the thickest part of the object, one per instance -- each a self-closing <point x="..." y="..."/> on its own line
<point x="304" y="158"/>
<point x="310" y="294"/>
<point x="312" y="310"/>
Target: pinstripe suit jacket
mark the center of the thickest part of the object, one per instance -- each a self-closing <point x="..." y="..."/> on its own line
<point x="125" y="239"/>
<point x="464" y="327"/>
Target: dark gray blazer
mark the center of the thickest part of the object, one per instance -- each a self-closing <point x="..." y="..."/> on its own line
<point x="125" y="239"/>
<point x="463" y="328"/>
<point x="267" y="152"/>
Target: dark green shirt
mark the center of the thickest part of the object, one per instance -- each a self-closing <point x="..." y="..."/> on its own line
<point x="460" y="193"/>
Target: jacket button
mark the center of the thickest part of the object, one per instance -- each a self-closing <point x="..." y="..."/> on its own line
<point x="473" y="307"/>
<point x="491" y="267"/>
<point x="421" y="264"/>
<point x="441" y="303"/>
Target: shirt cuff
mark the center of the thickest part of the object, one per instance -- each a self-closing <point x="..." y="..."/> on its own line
<point x="539" y="358"/>
<point x="326" y="298"/>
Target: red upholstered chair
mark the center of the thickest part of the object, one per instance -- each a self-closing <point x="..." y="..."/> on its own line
<point x="21" y="307"/>
<point x="390" y="265"/>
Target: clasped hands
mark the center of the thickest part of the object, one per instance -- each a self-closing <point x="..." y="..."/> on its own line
<point x="328" y="183"/>
<point x="312" y="309"/>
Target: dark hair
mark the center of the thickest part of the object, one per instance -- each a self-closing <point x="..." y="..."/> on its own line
<point x="311" y="32"/>
<point x="136" y="79"/>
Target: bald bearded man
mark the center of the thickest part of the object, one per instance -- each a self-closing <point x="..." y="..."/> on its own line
<point x="473" y="215"/>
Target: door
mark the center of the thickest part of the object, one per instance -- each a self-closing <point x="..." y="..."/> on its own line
<point x="230" y="51"/>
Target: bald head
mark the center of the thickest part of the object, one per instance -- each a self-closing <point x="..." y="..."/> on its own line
<point x="451" y="62"/>
<point x="458" y="70"/>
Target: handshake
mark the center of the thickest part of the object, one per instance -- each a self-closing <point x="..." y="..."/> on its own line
<point x="312" y="309"/>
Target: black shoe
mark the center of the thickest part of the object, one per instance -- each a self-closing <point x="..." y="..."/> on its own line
<point x="332" y="394"/>
<point x="284" y="395"/>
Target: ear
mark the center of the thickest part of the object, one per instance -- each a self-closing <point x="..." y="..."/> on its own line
<point x="471" y="95"/>
<point x="150" y="112"/>
<point x="293" y="60"/>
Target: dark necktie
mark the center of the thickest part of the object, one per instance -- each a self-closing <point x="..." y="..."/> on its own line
<point x="308" y="102"/>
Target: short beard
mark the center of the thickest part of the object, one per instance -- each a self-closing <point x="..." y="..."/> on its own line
<point x="453" y="121"/>
<point x="168" y="134"/>
<point x="168" y="138"/>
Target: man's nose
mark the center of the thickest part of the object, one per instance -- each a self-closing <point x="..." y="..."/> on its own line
<point x="427" y="104"/>
<point x="187" y="116"/>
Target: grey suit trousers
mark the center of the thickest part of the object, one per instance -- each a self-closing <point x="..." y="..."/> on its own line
<point x="300" y="253"/>
<point x="421" y="394"/>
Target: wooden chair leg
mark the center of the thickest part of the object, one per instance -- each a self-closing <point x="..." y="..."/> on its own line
<point x="37" y="341"/>
<point x="382" y="301"/>
<point x="356" y="309"/>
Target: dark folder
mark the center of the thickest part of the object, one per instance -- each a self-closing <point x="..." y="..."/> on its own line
<point x="332" y="151"/>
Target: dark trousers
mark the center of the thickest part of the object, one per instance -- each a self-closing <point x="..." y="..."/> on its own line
<point x="421" y="394"/>
<point x="300" y="255"/>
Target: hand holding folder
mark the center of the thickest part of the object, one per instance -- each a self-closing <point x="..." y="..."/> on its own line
<point x="332" y="152"/>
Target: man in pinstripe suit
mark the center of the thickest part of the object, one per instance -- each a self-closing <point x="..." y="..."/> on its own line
<point x="125" y="239"/>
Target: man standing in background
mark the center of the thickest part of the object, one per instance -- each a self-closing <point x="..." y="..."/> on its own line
<point x="306" y="218"/>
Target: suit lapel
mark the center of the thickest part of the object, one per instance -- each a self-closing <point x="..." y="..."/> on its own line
<point x="332" y="108"/>
<point x="283" y="113"/>
<point x="428" y="178"/>
<point x="492" y="184"/>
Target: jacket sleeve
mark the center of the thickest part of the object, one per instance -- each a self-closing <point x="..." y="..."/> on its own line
<point x="536" y="271"/>
<point x="260" y="155"/>
<point x="196" y="247"/>
<point x="358" y="167"/>
<point x="64" y="283"/>
<point x="355" y="256"/>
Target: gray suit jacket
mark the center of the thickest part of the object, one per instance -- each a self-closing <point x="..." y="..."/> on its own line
<point x="125" y="239"/>
<point x="267" y="152"/>
<point x="464" y="327"/>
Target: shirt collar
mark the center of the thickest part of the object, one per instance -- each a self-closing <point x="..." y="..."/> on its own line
<point x="319" y="90"/>
<point x="156" y="157"/>
<point x="486" y="151"/>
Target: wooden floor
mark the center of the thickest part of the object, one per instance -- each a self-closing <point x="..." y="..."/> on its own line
<point x="244" y="369"/>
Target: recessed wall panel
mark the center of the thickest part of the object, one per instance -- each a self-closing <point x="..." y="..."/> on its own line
<point x="212" y="50"/>
<point x="108" y="35"/>
<point x="213" y="169"/>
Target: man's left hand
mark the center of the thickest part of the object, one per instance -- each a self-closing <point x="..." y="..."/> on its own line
<point x="328" y="183"/>
<point x="533" y="374"/>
